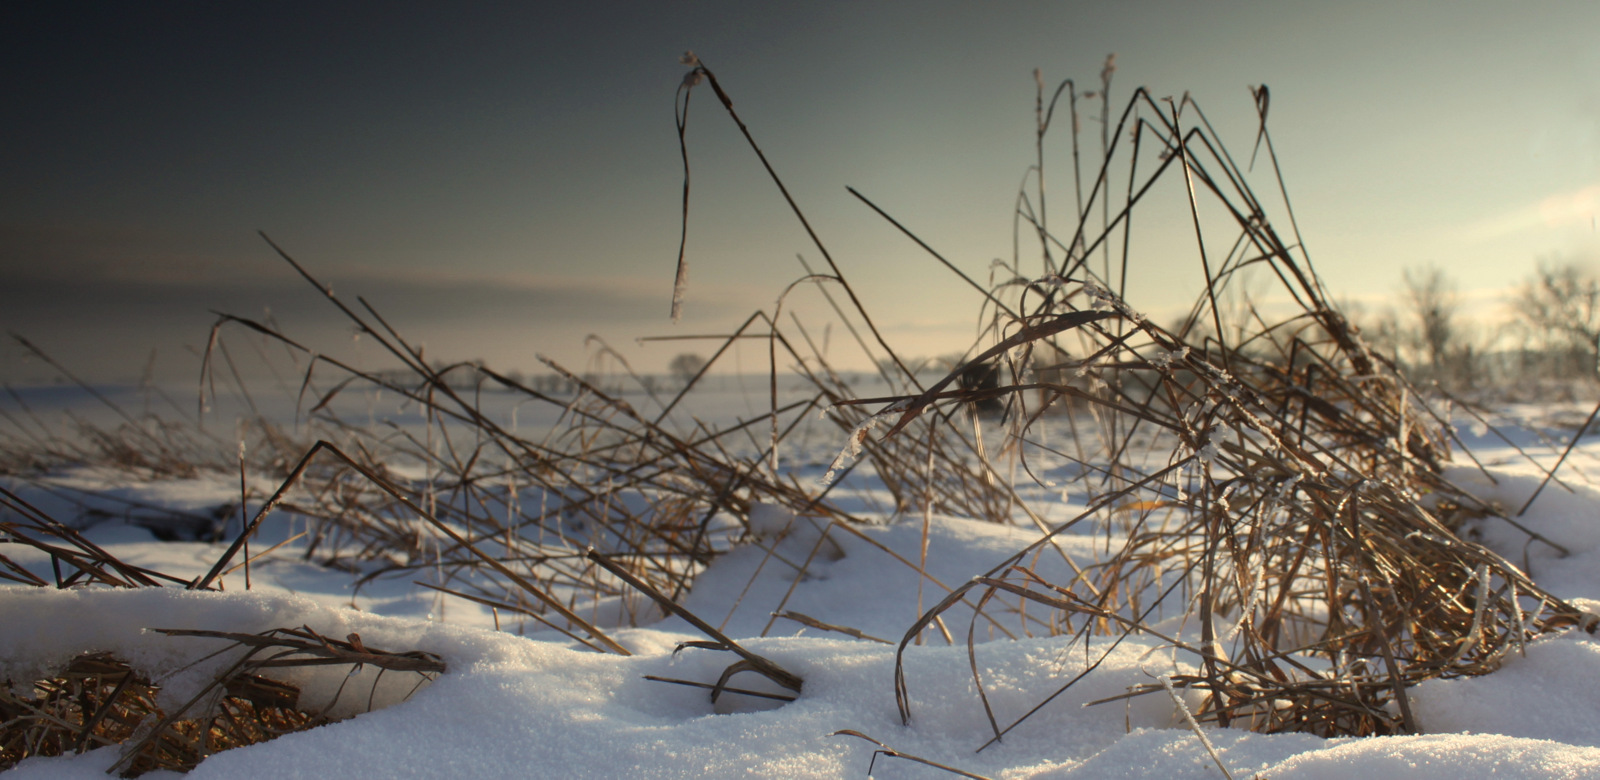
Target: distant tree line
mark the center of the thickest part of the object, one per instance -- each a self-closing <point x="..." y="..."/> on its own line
<point x="1550" y="334"/>
<point x="465" y="376"/>
<point x="1546" y="339"/>
<point x="682" y="369"/>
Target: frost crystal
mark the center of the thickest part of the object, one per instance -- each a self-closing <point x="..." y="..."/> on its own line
<point x="690" y="79"/>
<point x="1102" y="299"/>
<point x="1166" y="359"/>
<point x="852" y="447"/>
<point x="1051" y="281"/>
<point x="1099" y="297"/>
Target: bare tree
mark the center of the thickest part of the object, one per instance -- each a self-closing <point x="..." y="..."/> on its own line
<point x="686" y="366"/>
<point x="1559" y="308"/>
<point x="1431" y="301"/>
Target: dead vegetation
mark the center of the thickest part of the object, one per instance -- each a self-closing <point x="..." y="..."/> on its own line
<point x="98" y="700"/>
<point x="1262" y="472"/>
<point x="1255" y="468"/>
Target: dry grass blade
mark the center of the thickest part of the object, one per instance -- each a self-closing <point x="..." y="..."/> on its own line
<point x="811" y="622"/>
<point x="1027" y="335"/>
<point x="885" y="750"/>
<point x="301" y="648"/>
<point x="719" y="688"/>
<point x="1577" y="434"/>
<point x="90" y="562"/>
<point x="1188" y="717"/>
<point x="627" y="481"/>
<point x="750" y="661"/>
<point x="322" y="650"/>
<point x="454" y="535"/>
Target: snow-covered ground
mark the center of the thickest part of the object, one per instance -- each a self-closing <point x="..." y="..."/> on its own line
<point x="519" y="703"/>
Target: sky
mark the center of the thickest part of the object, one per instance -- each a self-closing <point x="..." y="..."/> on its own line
<point x="503" y="182"/>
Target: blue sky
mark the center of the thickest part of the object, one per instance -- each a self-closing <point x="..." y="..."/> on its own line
<point x="503" y="182"/>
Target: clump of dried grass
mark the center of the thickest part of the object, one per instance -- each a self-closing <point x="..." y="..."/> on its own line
<point x="1263" y="473"/>
<point x="1274" y="480"/>
<point x="99" y="700"/>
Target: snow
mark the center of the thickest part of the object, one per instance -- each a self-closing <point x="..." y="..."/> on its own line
<point x="540" y="705"/>
<point x="1551" y="692"/>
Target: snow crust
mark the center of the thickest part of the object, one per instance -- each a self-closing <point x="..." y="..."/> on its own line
<point x="539" y="706"/>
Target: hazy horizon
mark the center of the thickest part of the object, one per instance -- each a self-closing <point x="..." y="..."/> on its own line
<point x="502" y="184"/>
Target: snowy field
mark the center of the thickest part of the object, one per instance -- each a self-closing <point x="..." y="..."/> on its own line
<point x="520" y="702"/>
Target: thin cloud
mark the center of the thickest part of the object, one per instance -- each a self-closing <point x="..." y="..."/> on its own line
<point x="1574" y="208"/>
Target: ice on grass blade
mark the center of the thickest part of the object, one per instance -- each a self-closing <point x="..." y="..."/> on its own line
<point x="852" y="447"/>
<point x="1165" y="359"/>
<point x="1100" y="299"/>
<point x="1188" y="717"/>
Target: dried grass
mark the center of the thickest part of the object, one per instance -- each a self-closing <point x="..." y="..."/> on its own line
<point x="99" y="700"/>
<point x="1289" y="494"/>
<point x="1259" y="470"/>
